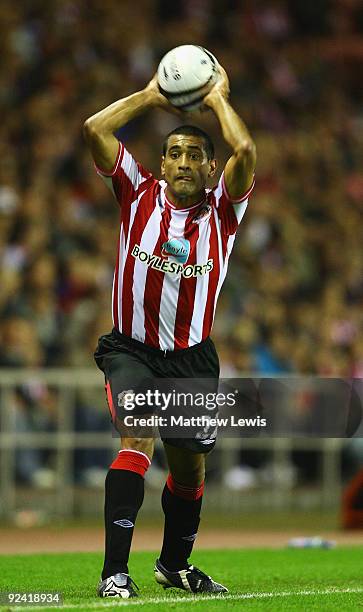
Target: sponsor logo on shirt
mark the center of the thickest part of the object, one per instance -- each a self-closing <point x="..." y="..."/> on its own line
<point x="203" y="214"/>
<point x="177" y="249"/>
<point x="171" y="267"/>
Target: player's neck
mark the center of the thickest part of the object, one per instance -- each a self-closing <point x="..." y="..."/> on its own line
<point x="181" y="202"/>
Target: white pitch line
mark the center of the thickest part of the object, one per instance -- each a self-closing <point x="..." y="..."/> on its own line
<point x="190" y="599"/>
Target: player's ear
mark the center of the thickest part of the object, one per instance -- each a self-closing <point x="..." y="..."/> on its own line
<point x="163" y="166"/>
<point x="212" y="167"/>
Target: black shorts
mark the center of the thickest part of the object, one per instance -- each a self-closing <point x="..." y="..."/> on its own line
<point x="131" y="366"/>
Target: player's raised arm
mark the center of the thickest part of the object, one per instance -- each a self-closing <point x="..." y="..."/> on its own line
<point x="100" y="128"/>
<point x="239" y="170"/>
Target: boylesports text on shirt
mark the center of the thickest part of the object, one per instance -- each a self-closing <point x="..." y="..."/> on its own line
<point x="171" y="267"/>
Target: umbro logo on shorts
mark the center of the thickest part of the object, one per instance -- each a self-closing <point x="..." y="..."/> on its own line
<point x="121" y="397"/>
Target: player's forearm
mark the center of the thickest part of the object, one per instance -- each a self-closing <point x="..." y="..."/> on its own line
<point x="111" y="118"/>
<point x="234" y="129"/>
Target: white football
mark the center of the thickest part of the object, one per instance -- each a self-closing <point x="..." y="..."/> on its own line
<point x="186" y="74"/>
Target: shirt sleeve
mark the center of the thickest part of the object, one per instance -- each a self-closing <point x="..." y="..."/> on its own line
<point x="126" y="177"/>
<point x="230" y="210"/>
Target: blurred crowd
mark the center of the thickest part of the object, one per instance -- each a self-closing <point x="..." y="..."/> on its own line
<point x="292" y="301"/>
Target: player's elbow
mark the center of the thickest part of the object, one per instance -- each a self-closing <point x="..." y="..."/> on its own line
<point x="246" y="151"/>
<point x="90" y="130"/>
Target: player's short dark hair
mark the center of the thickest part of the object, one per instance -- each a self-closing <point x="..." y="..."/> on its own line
<point x="192" y="130"/>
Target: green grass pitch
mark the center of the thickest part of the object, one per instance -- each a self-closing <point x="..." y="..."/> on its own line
<point x="283" y="579"/>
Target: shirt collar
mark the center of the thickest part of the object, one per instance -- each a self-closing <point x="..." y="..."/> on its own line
<point x="171" y="205"/>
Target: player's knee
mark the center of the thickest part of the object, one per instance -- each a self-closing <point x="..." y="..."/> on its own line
<point x="192" y="476"/>
<point x="142" y="445"/>
<point x="186" y="467"/>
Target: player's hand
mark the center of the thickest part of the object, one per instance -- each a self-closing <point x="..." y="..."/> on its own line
<point x="157" y="98"/>
<point x="152" y="89"/>
<point x="219" y="90"/>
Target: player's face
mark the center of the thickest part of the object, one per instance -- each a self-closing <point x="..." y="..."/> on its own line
<point x="185" y="166"/>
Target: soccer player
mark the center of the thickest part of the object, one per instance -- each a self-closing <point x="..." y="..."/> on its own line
<point x="175" y="240"/>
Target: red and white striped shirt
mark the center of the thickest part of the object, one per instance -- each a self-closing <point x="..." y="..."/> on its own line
<point x="171" y="262"/>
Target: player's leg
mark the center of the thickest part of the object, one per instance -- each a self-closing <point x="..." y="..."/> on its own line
<point x="125" y="374"/>
<point x="181" y="501"/>
<point x="183" y="492"/>
<point x="124" y="494"/>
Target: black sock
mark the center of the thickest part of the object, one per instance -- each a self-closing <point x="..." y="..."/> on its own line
<point x="124" y="494"/>
<point x="180" y="530"/>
